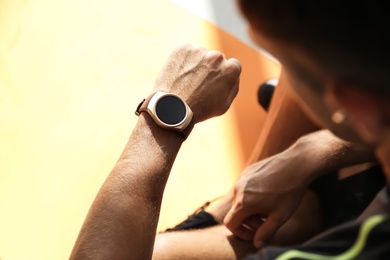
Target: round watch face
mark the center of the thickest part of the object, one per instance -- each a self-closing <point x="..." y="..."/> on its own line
<point x="170" y="110"/>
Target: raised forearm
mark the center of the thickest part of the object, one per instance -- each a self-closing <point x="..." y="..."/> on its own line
<point x="122" y="221"/>
<point x="123" y="218"/>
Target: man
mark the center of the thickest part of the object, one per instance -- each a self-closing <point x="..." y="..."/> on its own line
<point x="336" y="63"/>
<point x="274" y="183"/>
<point x="122" y="220"/>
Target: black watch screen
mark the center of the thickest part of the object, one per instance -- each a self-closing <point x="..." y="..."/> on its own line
<point x="171" y="110"/>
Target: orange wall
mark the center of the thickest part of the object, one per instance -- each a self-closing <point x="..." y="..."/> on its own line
<point x="71" y="74"/>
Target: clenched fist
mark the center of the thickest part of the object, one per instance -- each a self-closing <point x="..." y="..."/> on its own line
<point x="204" y="79"/>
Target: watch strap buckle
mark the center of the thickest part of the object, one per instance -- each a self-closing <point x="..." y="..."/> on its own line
<point x="137" y="111"/>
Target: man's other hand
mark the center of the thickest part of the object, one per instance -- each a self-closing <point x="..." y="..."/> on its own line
<point x="265" y="197"/>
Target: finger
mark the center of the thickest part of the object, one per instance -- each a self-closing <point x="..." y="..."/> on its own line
<point x="266" y="231"/>
<point x="241" y="231"/>
<point x="244" y="233"/>
<point x="214" y="57"/>
<point x="237" y="63"/>
<point x="234" y="92"/>
<point x="234" y="218"/>
<point x="233" y="221"/>
<point x="253" y="222"/>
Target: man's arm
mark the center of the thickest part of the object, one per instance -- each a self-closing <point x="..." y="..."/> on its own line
<point x="219" y="243"/>
<point x="268" y="192"/>
<point x="125" y="211"/>
<point x="122" y="221"/>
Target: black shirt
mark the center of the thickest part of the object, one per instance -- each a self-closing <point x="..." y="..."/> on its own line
<point x="366" y="239"/>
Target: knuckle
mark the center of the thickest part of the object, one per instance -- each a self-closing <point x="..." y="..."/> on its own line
<point x="248" y="198"/>
<point x="232" y="70"/>
<point x="214" y="57"/>
<point x="239" y="204"/>
<point x="237" y="188"/>
<point x="199" y="49"/>
<point x="183" y="47"/>
<point x="226" y="108"/>
<point x="228" y="222"/>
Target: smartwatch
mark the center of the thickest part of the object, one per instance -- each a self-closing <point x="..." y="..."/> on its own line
<point x="168" y="111"/>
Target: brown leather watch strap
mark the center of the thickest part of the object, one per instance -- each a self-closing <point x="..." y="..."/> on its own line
<point x="142" y="107"/>
<point x="186" y="132"/>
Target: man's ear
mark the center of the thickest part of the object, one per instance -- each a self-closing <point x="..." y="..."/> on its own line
<point x="366" y="111"/>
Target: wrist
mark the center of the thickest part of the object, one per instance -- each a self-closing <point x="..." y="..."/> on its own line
<point x="325" y="153"/>
<point x="147" y="124"/>
<point x="148" y="137"/>
<point x="302" y="166"/>
<point x="168" y="111"/>
<point x="317" y="154"/>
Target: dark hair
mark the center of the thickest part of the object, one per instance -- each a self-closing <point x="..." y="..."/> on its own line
<point x="350" y="40"/>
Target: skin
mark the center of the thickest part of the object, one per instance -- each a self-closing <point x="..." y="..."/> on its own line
<point x="113" y="229"/>
<point x="219" y="243"/>
<point x="122" y="220"/>
<point x="259" y="190"/>
<point x="259" y="194"/>
<point x="285" y="123"/>
<point x="311" y="98"/>
<point x="368" y="112"/>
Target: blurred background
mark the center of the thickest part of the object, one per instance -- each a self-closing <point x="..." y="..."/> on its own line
<point x="71" y="75"/>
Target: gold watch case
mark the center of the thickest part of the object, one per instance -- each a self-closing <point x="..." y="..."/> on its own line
<point x="150" y="103"/>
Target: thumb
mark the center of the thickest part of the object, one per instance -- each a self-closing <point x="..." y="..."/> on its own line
<point x="266" y="231"/>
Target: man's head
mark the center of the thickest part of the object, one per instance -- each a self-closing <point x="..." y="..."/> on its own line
<point x="335" y="55"/>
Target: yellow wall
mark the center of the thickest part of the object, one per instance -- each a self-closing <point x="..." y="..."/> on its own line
<point x="71" y="74"/>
